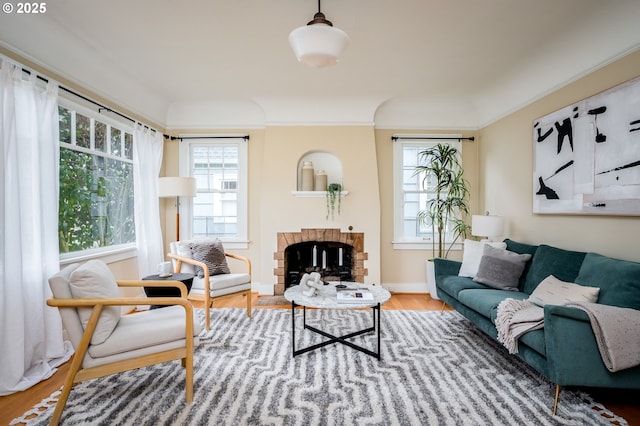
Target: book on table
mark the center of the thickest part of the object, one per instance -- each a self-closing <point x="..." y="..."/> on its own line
<point x="349" y="295"/>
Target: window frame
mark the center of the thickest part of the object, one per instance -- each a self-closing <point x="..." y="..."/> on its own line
<point x="112" y="253"/>
<point x="190" y="141"/>
<point x="400" y="242"/>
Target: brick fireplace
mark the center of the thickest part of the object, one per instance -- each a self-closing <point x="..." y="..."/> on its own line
<point x="323" y="238"/>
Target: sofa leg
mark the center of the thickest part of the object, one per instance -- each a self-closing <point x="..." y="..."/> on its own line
<point x="555" y="402"/>
<point x="443" y="305"/>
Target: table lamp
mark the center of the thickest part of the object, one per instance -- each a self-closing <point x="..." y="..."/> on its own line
<point x="177" y="187"/>
<point x="489" y="226"/>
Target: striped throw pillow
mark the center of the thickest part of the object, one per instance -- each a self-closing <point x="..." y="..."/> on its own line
<point x="211" y="253"/>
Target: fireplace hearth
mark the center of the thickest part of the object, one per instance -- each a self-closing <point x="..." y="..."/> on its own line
<point x="336" y="255"/>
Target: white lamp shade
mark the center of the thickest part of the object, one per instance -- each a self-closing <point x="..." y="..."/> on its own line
<point x="487" y="226"/>
<point x="318" y="45"/>
<point x="176" y="187"/>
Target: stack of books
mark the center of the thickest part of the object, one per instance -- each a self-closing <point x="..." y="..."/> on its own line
<point x="354" y="295"/>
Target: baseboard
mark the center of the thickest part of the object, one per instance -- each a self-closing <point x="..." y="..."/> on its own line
<point x="267" y="289"/>
<point x="406" y="287"/>
<point x="262" y="289"/>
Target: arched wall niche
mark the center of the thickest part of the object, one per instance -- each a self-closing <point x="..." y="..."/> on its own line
<point x="321" y="160"/>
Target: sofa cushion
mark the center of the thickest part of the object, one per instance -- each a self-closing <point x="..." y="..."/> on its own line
<point x="453" y="284"/>
<point x="486" y="301"/>
<point x="548" y="260"/>
<point x="553" y="291"/>
<point x="522" y="248"/>
<point x="619" y="280"/>
<point x="500" y="268"/>
<point x="473" y="254"/>
<point x="95" y="280"/>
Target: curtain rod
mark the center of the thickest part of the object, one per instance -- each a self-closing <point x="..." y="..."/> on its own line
<point x="181" y="138"/>
<point x="84" y="98"/>
<point x="395" y="138"/>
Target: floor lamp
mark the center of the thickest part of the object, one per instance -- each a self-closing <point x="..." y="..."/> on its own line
<point x="177" y="187"/>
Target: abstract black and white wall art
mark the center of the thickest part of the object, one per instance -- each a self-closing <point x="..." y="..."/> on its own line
<point x="587" y="155"/>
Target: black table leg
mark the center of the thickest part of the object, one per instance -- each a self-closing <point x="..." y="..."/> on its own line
<point x="336" y="339"/>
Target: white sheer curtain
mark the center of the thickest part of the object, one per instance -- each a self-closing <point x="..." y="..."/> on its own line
<point x="31" y="343"/>
<point x="147" y="160"/>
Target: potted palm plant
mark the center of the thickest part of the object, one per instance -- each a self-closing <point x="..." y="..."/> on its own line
<point x="447" y="211"/>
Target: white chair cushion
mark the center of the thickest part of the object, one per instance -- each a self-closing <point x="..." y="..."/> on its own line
<point x="95" y="280"/>
<point x="145" y="329"/>
<point x="222" y="284"/>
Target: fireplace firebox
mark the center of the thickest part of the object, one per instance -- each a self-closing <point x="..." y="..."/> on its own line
<point x="338" y="256"/>
<point x="332" y="260"/>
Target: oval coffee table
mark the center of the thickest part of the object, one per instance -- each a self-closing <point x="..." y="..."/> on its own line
<point x="326" y="298"/>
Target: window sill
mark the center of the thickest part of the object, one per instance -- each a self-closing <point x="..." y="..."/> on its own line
<point x="422" y="245"/>
<point x="107" y="254"/>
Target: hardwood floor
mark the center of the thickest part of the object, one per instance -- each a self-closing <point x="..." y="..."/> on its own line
<point x="624" y="403"/>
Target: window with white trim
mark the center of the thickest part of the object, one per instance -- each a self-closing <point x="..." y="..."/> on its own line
<point x="96" y="183"/>
<point x="219" y="209"/>
<point x="412" y="191"/>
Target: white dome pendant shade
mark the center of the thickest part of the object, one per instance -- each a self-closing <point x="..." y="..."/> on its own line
<point x="318" y="44"/>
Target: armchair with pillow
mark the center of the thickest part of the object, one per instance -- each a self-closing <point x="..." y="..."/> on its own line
<point x="207" y="261"/>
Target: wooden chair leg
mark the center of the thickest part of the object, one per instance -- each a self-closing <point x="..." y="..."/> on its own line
<point x="76" y="363"/>
<point x="189" y="377"/>
<point x="555" y="402"/>
<point x="249" y="303"/>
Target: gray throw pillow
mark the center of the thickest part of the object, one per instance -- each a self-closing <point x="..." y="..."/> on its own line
<point x="500" y="268"/>
<point x="211" y="253"/>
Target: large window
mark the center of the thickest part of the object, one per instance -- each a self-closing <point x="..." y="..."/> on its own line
<point x="219" y="208"/>
<point x="96" y="181"/>
<point x="412" y="193"/>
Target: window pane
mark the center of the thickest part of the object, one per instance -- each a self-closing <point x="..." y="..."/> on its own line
<point x="116" y="142"/>
<point x="96" y="201"/>
<point x="101" y="137"/>
<point x="128" y="146"/>
<point x="83" y="131"/>
<point x="215" y="208"/>
<point x="64" y="124"/>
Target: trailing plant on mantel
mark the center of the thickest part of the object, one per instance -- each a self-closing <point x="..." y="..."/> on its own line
<point x="334" y="191"/>
<point x="439" y="166"/>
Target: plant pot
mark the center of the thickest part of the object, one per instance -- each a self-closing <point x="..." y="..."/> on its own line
<point x="431" y="279"/>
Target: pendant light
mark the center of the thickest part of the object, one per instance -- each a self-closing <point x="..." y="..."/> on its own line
<point x="318" y="44"/>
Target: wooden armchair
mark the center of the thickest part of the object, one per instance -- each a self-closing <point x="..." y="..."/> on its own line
<point x="105" y="342"/>
<point x="208" y="287"/>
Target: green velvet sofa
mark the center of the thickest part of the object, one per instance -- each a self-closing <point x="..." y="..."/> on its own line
<point x="565" y="350"/>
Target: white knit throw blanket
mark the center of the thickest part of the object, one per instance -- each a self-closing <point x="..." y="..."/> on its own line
<point x="514" y="318"/>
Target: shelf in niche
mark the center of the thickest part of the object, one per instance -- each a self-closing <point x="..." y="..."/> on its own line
<point x="311" y="194"/>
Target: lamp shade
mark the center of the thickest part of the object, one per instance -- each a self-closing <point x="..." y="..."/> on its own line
<point x="487" y="226"/>
<point x="318" y="45"/>
<point x="176" y="187"/>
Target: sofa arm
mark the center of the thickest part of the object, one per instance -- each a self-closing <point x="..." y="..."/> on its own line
<point x="573" y="355"/>
<point x="444" y="267"/>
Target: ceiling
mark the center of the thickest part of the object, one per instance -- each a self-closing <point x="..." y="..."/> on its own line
<point x="411" y="63"/>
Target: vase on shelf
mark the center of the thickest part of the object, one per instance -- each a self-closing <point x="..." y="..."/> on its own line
<point x="307" y="176"/>
<point x="321" y="181"/>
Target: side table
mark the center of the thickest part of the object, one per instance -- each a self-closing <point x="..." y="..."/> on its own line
<point x="186" y="279"/>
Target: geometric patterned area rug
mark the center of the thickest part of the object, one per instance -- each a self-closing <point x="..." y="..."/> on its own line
<point x="435" y="369"/>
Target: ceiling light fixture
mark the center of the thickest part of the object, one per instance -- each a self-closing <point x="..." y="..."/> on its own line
<point x="318" y="44"/>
